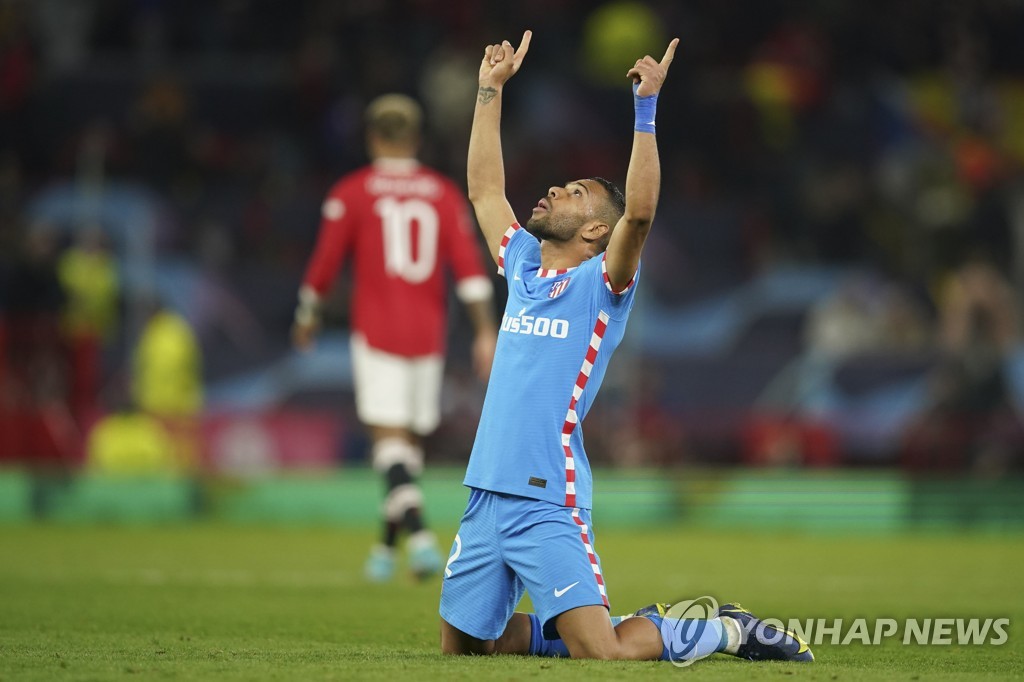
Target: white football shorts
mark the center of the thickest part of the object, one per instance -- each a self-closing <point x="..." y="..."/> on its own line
<point x="394" y="390"/>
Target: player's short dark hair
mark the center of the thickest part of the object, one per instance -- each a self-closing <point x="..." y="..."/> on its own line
<point x="615" y="198"/>
<point x="614" y="208"/>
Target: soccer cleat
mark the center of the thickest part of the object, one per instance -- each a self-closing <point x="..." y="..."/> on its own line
<point x="380" y="566"/>
<point x="763" y="642"/>
<point x="424" y="559"/>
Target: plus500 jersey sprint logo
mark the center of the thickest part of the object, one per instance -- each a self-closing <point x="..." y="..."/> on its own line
<point x="536" y="326"/>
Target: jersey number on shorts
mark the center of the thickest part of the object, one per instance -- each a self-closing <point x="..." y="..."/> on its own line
<point x="397" y="217"/>
<point x="454" y="556"/>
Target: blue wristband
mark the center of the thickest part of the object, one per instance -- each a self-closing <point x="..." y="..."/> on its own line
<point x="644" y="109"/>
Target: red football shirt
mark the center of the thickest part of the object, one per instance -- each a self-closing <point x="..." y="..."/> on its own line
<point x="406" y="227"/>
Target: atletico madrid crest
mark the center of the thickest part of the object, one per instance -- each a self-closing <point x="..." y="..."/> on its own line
<point x="558" y="287"/>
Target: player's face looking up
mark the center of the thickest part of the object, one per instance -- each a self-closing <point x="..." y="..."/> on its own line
<point x="560" y="215"/>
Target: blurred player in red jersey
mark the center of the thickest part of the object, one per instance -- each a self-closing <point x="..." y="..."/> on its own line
<point x="406" y="227"/>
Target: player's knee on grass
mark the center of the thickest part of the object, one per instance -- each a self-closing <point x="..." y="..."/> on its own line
<point x="588" y="633"/>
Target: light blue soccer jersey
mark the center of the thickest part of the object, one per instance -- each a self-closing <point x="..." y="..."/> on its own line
<point x="557" y="334"/>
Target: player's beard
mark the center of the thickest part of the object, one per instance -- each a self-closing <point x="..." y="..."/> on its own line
<point x="553" y="227"/>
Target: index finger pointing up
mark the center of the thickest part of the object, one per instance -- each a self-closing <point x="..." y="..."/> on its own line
<point x="524" y="44"/>
<point x="670" y="52"/>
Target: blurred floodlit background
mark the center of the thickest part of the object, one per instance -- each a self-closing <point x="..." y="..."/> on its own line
<point x="833" y="283"/>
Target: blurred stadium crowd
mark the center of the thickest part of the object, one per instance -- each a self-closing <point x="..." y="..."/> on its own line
<point x="834" y="278"/>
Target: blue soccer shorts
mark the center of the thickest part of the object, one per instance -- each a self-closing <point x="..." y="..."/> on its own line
<point x="508" y="545"/>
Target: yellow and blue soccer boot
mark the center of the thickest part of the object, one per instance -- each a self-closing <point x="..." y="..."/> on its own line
<point x="760" y="641"/>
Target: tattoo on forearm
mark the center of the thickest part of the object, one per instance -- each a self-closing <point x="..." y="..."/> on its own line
<point x="486" y="94"/>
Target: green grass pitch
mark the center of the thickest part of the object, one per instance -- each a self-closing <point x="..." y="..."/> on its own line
<point x="247" y="603"/>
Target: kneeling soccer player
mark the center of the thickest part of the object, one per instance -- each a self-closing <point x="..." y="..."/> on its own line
<point x="572" y="275"/>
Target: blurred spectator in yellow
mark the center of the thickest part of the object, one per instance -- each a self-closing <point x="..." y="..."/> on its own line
<point x="168" y="366"/>
<point x="128" y="443"/>
<point x="613" y="33"/>
<point x="168" y="379"/>
<point x="88" y="275"/>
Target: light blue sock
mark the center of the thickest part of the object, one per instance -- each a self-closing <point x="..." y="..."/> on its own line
<point x="686" y="639"/>
<point x="544" y="647"/>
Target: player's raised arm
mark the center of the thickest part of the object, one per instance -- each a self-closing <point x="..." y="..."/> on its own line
<point x="643" y="179"/>
<point x="485" y="167"/>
